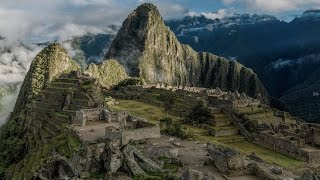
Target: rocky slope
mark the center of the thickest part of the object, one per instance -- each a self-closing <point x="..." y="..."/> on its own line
<point x="51" y="62"/>
<point x="147" y="48"/>
<point x="108" y="72"/>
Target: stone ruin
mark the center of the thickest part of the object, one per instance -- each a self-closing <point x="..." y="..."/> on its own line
<point x="235" y="98"/>
<point x="274" y="130"/>
<point x="119" y="127"/>
<point x="278" y="131"/>
<point x="296" y="139"/>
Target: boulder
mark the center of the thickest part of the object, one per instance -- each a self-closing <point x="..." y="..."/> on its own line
<point x="227" y="160"/>
<point x="190" y="174"/>
<point x="136" y="163"/>
<point x="276" y="170"/>
<point x="111" y="158"/>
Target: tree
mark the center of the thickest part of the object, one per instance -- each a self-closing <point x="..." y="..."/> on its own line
<point x="168" y="101"/>
<point x="200" y="113"/>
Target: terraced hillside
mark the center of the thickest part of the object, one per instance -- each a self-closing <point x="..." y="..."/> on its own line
<point x="48" y="117"/>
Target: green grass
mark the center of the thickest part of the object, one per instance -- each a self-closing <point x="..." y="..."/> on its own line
<point x="155" y="113"/>
<point x="147" y="111"/>
<point x="267" y="155"/>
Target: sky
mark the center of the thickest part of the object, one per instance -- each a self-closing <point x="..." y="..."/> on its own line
<point x="36" y="20"/>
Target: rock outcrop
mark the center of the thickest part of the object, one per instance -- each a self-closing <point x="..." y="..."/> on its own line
<point x="49" y="64"/>
<point x="148" y="49"/>
<point x="228" y="161"/>
<point x="129" y="159"/>
<point x="109" y="72"/>
<point x="57" y="167"/>
<point x="190" y="174"/>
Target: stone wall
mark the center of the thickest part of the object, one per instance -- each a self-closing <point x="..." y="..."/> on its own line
<point x="126" y="135"/>
<point x="224" y="132"/>
<point x="287" y="146"/>
<point x="85" y="115"/>
<point x="140" y="134"/>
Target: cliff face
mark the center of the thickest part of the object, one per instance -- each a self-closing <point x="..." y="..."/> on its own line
<point x="148" y="49"/>
<point x="109" y="72"/>
<point x="49" y="64"/>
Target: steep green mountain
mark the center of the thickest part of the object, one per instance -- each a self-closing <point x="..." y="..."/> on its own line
<point x="109" y="72"/>
<point x="49" y="64"/>
<point x="147" y="48"/>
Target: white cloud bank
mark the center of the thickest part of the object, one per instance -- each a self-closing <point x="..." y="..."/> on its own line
<point x="220" y="14"/>
<point x="274" y="6"/>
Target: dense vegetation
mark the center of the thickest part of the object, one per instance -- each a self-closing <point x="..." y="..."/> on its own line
<point x="174" y="129"/>
<point x="13" y="145"/>
<point x="199" y="114"/>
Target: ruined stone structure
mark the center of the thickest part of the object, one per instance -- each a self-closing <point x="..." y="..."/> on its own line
<point x="137" y="130"/>
<point x="121" y="127"/>
<point x="279" y="131"/>
<point x="85" y="115"/>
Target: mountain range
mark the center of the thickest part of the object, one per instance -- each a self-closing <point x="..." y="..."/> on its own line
<point x="285" y="55"/>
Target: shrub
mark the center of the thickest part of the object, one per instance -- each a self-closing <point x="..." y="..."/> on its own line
<point x="168" y="101"/>
<point x="174" y="129"/>
<point x="199" y="114"/>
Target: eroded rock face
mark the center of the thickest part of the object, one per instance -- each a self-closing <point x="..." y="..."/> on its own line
<point x="49" y="64"/>
<point x="129" y="159"/>
<point x="108" y="72"/>
<point x="147" y="48"/>
<point x="57" y="167"/>
<point x="227" y="160"/>
<point x="136" y="163"/>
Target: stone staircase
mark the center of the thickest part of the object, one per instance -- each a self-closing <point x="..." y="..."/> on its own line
<point x="222" y="126"/>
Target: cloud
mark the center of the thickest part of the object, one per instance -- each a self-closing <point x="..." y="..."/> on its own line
<point x="285" y="63"/>
<point x="274" y="6"/>
<point x="8" y="96"/>
<point x="220" y="14"/>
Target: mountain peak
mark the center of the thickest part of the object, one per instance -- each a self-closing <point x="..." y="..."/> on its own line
<point x="49" y="64"/>
<point x="146" y="11"/>
<point x="147" y="7"/>
<point x="147" y="48"/>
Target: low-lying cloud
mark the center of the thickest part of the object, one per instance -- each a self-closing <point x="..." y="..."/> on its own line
<point x="285" y="63"/>
<point x="220" y="14"/>
<point x="274" y="6"/>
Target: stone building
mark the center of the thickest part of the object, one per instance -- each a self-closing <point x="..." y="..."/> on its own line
<point x="84" y="116"/>
<point x="121" y="127"/>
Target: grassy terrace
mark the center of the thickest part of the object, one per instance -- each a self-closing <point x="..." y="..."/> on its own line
<point x="155" y="113"/>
